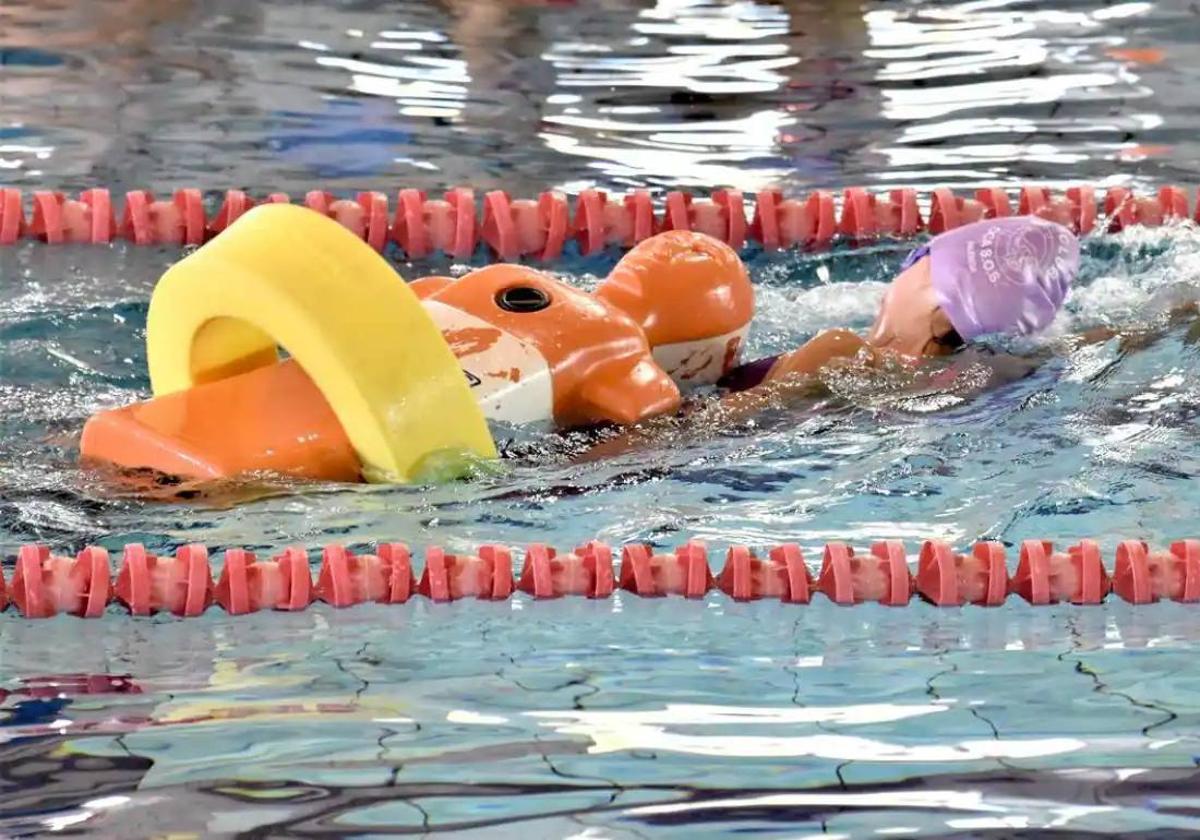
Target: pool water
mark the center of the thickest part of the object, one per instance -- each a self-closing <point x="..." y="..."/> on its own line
<point x="632" y="717"/>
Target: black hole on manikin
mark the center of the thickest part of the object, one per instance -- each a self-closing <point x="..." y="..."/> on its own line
<point x="523" y="299"/>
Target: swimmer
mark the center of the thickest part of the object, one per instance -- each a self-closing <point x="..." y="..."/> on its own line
<point x="997" y="277"/>
<point x="1002" y="276"/>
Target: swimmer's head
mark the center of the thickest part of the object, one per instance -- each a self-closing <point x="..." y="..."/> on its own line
<point x="996" y="276"/>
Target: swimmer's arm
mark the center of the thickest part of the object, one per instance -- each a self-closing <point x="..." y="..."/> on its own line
<point x="793" y="376"/>
<point x="800" y="367"/>
<point x="1139" y="337"/>
<point x="1007" y="367"/>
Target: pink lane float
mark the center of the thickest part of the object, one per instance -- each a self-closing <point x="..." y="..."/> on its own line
<point x="45" y="585"/>
<point x="539" y="229"/>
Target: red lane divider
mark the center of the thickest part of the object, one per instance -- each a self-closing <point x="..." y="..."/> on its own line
<point x="422" y="226"/>
<point x="486" y="576"/>
<point x="248" y="585"/>
<point x="783" y="575"/>
<point x="650" y="575"/>
<point x="1046" y="577"/>
<point x="949" y="579"/>
<point x="599" y="223"/>
<point x="148" y="584"/>
<point x="882" y="576"/>
<point x="722" y="217"/>
<point x="512" y="229"/>
<point x="587" y="571"/>
<point x="44" y="585"/>
<point x="346" y="579"/>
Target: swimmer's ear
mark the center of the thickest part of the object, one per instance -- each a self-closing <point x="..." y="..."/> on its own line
<point x="626" y="392"/>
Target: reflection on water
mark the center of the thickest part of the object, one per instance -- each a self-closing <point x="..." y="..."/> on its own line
<point x="628" y="718"/>
<point x="530" y="95"/>
<point x="782" y="716"/>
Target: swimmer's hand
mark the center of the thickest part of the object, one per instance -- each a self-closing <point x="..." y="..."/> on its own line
<point x="1141" y="336"/>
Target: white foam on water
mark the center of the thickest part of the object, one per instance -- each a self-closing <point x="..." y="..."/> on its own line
<point x="1154" y="271"/>
<point x="785" y="317"/>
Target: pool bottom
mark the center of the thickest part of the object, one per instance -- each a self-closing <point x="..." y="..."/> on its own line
<point x="628" y="718"/>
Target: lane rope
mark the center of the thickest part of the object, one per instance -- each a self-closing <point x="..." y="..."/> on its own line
<point x="44" y="584"/>
<point x="461" y="223"/>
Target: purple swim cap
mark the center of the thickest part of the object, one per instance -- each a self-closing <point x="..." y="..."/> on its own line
<point x="1005" y="275"/>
